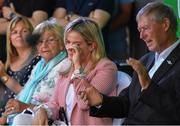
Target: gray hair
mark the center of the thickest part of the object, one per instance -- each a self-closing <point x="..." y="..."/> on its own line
<point x="52" y="26"/>
<point x="157" y="12"/>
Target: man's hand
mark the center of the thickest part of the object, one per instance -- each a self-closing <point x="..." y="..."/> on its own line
<point x="143" y="76"/>
<point x="91" y="96"/>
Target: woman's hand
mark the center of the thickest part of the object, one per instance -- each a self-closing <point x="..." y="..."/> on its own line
<point x="14" y="106"/>
<point x="76" y="56"/>
<point x="143" y="76"/>
<point x="40" y="117"/>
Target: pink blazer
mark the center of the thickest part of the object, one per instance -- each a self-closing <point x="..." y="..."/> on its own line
<point x="103" y="77"/>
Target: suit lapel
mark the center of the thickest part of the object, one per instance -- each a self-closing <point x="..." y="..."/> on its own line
<point x="167" y="64"/>
<point x="150" y="62"/>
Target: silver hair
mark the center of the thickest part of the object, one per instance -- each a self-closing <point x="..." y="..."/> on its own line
<point x="157" y="11"/>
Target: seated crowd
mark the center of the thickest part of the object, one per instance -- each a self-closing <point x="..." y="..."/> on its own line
<point x="61" y="74"/>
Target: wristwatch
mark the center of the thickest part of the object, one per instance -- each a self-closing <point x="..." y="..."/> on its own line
<point x="4" y="79"/>
<point x="80" y="72"/>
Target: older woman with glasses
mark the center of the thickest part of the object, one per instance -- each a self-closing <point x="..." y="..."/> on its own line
<point x="85" y="47"/>
<point x="40" y="86"/>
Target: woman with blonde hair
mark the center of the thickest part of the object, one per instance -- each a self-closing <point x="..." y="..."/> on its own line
<point x="85" y="47"/>
<point x="21" y="58"/>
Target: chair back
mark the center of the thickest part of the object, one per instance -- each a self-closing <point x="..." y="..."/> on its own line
<point x="123" y="81"/>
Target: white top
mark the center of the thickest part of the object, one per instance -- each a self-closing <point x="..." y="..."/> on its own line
<point x="69" y="101"/>
<point x="71" y="94"/>
<point x="159" y="58"/>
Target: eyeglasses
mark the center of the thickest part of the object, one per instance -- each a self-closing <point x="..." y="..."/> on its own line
<point x="48" y="41"/>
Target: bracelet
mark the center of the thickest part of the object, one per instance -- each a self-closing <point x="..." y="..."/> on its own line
<point x="5" y="79"/>
<point x="44" y="106"/>
<point x="80" y="72"/>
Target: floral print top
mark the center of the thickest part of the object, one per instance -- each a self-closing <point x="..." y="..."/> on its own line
<point x="20" y="76"/>
<point x="45" y="88"/>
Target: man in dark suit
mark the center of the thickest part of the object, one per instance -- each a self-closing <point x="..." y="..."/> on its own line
<point x="153" y="96"/>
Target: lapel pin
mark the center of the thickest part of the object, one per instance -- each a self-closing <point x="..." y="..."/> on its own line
<point x="169" y="62"/>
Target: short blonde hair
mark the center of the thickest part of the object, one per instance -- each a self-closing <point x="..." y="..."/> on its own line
<point x="90" y="32"/>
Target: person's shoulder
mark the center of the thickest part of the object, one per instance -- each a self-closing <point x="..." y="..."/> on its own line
<point x="35" y="59"/>
<point x="104" y="62"/>
<point x="65" y="60"/>
<point x="63" y="66"/>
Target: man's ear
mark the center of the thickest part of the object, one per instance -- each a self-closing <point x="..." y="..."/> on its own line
<point x="166" y="24"/>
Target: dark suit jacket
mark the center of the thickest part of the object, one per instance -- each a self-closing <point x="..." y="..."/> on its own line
<point x="158" y="104"/>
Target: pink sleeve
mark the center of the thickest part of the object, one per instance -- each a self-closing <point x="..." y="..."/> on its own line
<point x="105" y="79"/>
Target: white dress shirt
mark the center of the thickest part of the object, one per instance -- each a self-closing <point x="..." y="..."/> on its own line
<point x="159" y="58"/>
